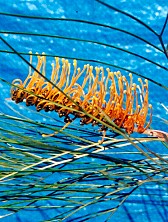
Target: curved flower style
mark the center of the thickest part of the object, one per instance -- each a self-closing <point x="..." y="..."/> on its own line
<point x="86" y="93"/>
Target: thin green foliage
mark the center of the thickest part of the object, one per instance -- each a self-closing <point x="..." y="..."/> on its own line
<point x="71" y="175"/>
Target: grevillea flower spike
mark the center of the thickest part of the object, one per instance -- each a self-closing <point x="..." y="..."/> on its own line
<point x="88" y="93"/>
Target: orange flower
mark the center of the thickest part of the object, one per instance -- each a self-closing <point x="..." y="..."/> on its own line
<point x="89" y="90"/>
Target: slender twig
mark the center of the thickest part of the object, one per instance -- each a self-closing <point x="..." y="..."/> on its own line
<point x="85" y="40"/>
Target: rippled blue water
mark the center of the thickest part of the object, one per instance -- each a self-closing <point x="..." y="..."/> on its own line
<point x="152" y="13"/>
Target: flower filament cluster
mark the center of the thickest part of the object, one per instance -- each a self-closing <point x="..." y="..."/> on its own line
<point x="97" y="91"/>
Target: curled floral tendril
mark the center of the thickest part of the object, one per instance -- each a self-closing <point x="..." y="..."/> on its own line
<point x="90" y="89"/>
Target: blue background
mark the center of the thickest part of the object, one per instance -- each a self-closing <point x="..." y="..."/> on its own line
<point x="152" y="13"/>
